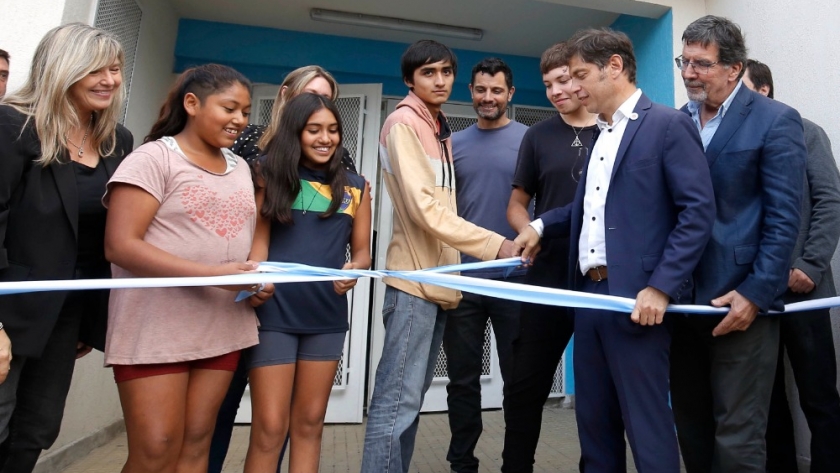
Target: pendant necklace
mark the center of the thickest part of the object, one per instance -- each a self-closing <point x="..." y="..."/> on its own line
<point x="311" y="201"/>
<point x="577" y="143"/>
<point x="84" y="140"/>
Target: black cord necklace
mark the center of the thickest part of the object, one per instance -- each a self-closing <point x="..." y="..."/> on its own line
<point x="312" y="200"/>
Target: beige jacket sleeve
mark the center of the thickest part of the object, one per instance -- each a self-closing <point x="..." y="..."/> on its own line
<point x="423" y="198"/>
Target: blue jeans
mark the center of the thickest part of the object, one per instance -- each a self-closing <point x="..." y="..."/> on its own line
<point x="413" y="334"/>
<point x="463" y="343"/>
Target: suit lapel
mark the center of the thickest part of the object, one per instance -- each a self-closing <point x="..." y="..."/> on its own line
<point x="641" y="109"/>
<point x="738" y="111"/>
<point x="65" y="182"/>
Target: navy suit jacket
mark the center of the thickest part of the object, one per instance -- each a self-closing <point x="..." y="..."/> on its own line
<point x="659" y="209"/>
<point x="757" y="160"/>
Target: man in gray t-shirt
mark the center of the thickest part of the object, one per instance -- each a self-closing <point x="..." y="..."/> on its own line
<point x="484" y="156"/>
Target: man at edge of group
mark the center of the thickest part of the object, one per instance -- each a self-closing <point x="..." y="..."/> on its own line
<point x="551" y="159"/>
<point x="415" y="151"/>
<point x="4" y="72"/>
<point x="806" y="336"/>
<point x="639" y="222"/>
<point x="722" y="367"/>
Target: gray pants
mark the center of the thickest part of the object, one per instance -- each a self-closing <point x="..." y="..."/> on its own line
<point x="720" y="389"/>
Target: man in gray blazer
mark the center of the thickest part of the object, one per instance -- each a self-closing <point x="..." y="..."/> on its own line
<point x="806" y="336"/>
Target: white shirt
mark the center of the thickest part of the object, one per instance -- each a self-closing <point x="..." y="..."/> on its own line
<point x="592" y="249"/>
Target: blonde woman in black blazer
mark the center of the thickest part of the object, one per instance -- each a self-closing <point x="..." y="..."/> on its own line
<point x="59" y="144"/>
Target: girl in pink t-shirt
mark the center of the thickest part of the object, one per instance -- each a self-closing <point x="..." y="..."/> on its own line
<point x="181" y="204"/>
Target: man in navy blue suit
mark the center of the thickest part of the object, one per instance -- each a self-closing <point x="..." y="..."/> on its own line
<point x="722" y="367"/>
<point x="641" y="216"/>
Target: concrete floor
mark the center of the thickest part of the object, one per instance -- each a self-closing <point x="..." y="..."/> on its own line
<point x="558" y="450"/>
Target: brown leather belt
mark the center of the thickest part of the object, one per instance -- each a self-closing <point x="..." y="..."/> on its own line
<point x="598" y="273"/>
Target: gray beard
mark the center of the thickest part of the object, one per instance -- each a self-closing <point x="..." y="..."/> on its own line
<point x="697" y="96"/>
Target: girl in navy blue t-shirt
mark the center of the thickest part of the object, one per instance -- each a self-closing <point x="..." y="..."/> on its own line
<point x="310" y="210"/>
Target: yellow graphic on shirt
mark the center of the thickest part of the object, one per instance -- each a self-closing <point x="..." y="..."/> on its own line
<point x="318" y="197"/>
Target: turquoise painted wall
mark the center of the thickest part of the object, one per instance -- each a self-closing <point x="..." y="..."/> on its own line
<point x="653" y="44"/>
<point x="267" y="55"/>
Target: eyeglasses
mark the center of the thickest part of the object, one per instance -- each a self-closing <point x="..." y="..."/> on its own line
<point x="700" y="67"/>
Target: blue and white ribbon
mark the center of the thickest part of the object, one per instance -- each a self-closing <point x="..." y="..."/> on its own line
<point x="279" y="273"/>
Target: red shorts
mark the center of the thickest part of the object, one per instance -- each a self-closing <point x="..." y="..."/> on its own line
<point x="226" y="362"/>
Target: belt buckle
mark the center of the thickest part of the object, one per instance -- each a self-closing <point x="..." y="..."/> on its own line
<point x="598" y="272"/>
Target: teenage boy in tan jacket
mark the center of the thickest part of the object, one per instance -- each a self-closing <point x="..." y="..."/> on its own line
<point x="416" y="155"/>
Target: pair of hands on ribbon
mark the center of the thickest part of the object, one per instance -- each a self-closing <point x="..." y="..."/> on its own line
<point x="259" y="293"/>
<point x="651" y="303"/>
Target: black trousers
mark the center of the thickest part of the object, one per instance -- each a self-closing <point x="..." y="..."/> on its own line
<point x="544" y="332"/>
<point x="463" y="343"/>
<point x="39" y="397"/>
<point x="808" y="340"/>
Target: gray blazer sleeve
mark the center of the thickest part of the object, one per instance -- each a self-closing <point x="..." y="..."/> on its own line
<point x="820" y="227"/>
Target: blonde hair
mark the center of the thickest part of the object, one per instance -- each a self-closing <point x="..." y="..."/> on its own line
<point x="64" y="56"/>
<point x="292" y="86"/>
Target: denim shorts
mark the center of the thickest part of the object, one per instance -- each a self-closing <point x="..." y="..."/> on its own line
<point x="280" y="348"/>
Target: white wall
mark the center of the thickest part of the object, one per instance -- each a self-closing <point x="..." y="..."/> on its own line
<point x="79" y="11"/>
<point x="23" y="25"/>
<point x="797" y="39"/>
<point x="153" y="65"/>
